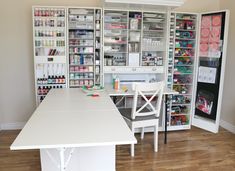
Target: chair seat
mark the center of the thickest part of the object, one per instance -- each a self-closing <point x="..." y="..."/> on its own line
<point x="126" y="112"/>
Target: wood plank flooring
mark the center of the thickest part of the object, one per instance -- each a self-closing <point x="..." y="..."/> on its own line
<point x="189" y="150"/>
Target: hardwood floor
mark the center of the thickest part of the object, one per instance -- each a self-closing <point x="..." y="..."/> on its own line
<point x="189" y="150"/>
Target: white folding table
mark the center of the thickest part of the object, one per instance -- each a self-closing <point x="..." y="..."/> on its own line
<point x="75" y="132"/>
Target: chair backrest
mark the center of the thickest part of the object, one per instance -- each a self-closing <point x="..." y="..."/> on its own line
<point x="144" y="91"/>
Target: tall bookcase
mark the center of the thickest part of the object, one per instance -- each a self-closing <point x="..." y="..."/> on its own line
<point x="84" y="47"/>
<point x="181" y="68"/>
<point x="49" y="40"/>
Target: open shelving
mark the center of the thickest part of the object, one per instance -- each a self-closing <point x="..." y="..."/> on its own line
<point x="49" y="30"/>
<point x="115" y="38"/>
<point x="181" y="68"/>
<point x="84" y="38"/>
<point x="154" y="40"/>
<point x="135" y="39"/>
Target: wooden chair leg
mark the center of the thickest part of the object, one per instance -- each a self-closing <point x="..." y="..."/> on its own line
<point x="156" y="137"/>
<point x="142" y="133"/>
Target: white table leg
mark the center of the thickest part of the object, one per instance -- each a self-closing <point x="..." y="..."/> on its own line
<point x="79" y="159"/>
<point x="62" y="164"/>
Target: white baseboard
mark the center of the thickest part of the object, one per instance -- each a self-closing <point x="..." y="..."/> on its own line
<point x="12" y="126"/>
<point x="227" y="126"/>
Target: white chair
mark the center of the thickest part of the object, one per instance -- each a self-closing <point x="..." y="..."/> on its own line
<point x="147" y="114"/>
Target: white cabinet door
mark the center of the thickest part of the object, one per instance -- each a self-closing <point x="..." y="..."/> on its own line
<point x="210" y="71"/>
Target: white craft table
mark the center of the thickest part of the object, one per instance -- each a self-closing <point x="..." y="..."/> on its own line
<point x="130" y="92"/>
<point x="74" y="100"/>
<point x="75" y="132"/>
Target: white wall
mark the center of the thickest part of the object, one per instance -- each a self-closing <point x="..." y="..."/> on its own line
<point x="199" y="6"/>
<point x="228" y="105"/>
<point x="16" y="66"/>
<point x="17" y="99"/>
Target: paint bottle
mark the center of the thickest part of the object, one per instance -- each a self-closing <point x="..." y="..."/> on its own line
<point x="113" y="82"/>
<point x="63" y="79"/>
<point x="116" y="84"/>
<point x="39" y="90"/>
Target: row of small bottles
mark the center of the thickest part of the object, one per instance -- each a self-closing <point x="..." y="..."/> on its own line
<point x="49" y="12"/>
<point x="49" y="23"/>
<point x="78" y="83"/>
<point x="49" y="43"/>
<point x="43" y="90"/>
<point x="52" y="80"/>
<point x="49" y="33"/>
<point x="81" y="75"/>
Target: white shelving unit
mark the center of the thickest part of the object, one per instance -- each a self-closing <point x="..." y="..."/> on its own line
<point x="75" y="46"/>
<point x="181" y="68"/>
<point x="134" y="41"/>
<point x="115" y="38"/>
<point x="154" y="39"/>
<point x="84" y="40"/>
<point x="49" y="37"/>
